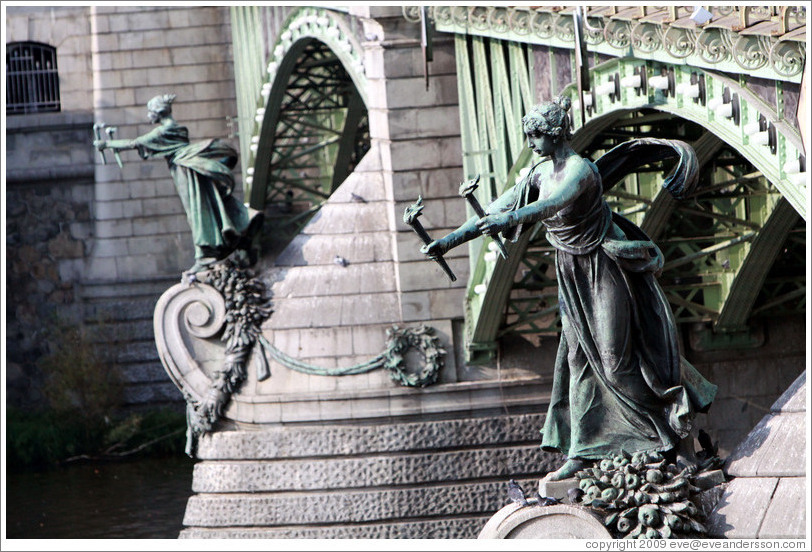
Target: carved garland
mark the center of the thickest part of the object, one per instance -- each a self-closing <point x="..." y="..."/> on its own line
<point x="247" y="307"/>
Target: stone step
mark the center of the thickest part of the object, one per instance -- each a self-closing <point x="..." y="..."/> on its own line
<point x="467" y="527"/>
<point x="305" y="441"/>
<point x="343" y="506"/>
<point x="121" y="310"/>
<point x="103" y="291"/>
<point x="370" y="471"/>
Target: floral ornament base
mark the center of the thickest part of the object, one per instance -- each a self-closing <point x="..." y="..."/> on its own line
<point x="642" y="496"/>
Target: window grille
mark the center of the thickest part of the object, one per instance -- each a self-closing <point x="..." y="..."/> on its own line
<point x="32" y="79"/>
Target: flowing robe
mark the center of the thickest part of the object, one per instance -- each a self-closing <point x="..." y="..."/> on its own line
<point x="204" y="182"/>
<point x="619" y="381"/>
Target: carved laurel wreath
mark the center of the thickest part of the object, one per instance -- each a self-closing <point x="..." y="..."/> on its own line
<point x="399" y="343"/>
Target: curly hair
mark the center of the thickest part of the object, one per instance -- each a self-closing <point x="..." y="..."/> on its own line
<point x="161" y="104"/>
<point x="549" y="118"/>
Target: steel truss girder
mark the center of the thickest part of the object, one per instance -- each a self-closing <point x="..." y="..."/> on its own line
<point x="268" y="42"/>
<point x="309" y="136"/>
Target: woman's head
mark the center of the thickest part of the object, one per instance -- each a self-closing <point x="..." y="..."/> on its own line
<point x="160" y="107"/>
<point x="549" y="118"/>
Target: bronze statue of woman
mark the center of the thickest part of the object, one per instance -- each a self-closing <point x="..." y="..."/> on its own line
<point x="619" y="383"/>
<point x="201" y="171"/>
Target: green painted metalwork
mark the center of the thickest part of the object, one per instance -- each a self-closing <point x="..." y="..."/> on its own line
<point x="769" y="45"/>
<point x="490" y="92"/>
<point x="719" y="246"/>
<point x="309" y="124"/>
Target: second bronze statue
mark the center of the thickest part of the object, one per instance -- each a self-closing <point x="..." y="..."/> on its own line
<point x="202" y="172"/>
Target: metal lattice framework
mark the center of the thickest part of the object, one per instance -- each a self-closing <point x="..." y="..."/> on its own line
<point x="719" y="245"/>
<point x="310" y="126"/>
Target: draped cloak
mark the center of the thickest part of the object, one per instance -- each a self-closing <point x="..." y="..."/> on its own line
<point x="619" y="381"/>
<point x="203" y="179"/>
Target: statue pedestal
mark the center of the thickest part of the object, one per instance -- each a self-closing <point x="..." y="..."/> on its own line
<point x="557" y="489"/>
<point x="544" y="522"/>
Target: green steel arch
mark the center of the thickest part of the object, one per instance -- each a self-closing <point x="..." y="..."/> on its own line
<point x="309" y="125"/>
<point x="752" y="204"/>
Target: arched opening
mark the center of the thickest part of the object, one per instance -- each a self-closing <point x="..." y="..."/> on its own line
<point x="314" y="133"/>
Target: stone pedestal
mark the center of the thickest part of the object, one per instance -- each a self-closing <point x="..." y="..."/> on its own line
<point x="557" y="489"/>
<point x="544" y="522"/>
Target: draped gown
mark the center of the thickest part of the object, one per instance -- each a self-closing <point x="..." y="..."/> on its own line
<point x="204" y="181"/>
<point x="619" y="381"/>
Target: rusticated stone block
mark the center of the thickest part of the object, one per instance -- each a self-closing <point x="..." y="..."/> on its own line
<point x="370" y="471"/>
<point x="226" y="510"/>
<point x="455" y="528"/>
<point x="305" y="441"/>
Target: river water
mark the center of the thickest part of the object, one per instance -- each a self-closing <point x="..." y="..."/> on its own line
<point x="142" y="499"/>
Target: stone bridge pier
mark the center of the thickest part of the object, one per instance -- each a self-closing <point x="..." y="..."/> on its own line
<point x="358" y="456"/>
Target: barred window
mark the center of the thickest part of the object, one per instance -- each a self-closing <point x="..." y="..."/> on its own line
<point x="32" y="80"/>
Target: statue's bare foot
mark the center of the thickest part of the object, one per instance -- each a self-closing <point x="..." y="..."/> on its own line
<point x="200" y="265"/>
<point x="569" y="469"/>
<point x="686" y="455"/>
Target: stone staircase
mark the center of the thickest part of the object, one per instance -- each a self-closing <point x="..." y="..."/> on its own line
<point x="440" y="478"/>
<point x="121" y="313"/>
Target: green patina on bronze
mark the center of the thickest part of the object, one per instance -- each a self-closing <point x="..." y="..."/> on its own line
<point x="202" y="174"/>
<point x="642" y="496"/>
<point x="619" y="381"/>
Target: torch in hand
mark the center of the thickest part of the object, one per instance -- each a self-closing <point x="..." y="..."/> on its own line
<point x="410" y="217"/>
<point x="97" y="134"/>
<point x="110" y="131"/>
<point x="467" y="191"/>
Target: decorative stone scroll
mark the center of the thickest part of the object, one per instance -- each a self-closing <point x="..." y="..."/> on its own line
<point x="226" y="304"/>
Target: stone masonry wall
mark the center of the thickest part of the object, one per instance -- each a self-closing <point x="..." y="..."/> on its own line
<point x="48" y="234"/>
<point x="142" y="238"/>
<point x="68" y="30"/>
<point x="48" y="198"/>
<point x="121" y="236"/>
<point x="418" y="129"/>
<point x="336" y="315"/>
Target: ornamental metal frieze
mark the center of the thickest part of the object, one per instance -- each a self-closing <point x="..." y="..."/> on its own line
<point x="767" y="42"/>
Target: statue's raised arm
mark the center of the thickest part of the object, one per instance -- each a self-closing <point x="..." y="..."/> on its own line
<point x="551" y="185"/>
<point x="202" y="173"/>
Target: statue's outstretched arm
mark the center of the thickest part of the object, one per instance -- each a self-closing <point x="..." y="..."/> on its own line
<point x="469" y="230"/>
<point x="561" y="193"/>
<point x="115" y="144"/>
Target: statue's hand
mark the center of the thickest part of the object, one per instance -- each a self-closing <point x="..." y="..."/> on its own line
<point x="99" y="144"/>
<point x="492" y="224"/>
<point x="435" y="249"/>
